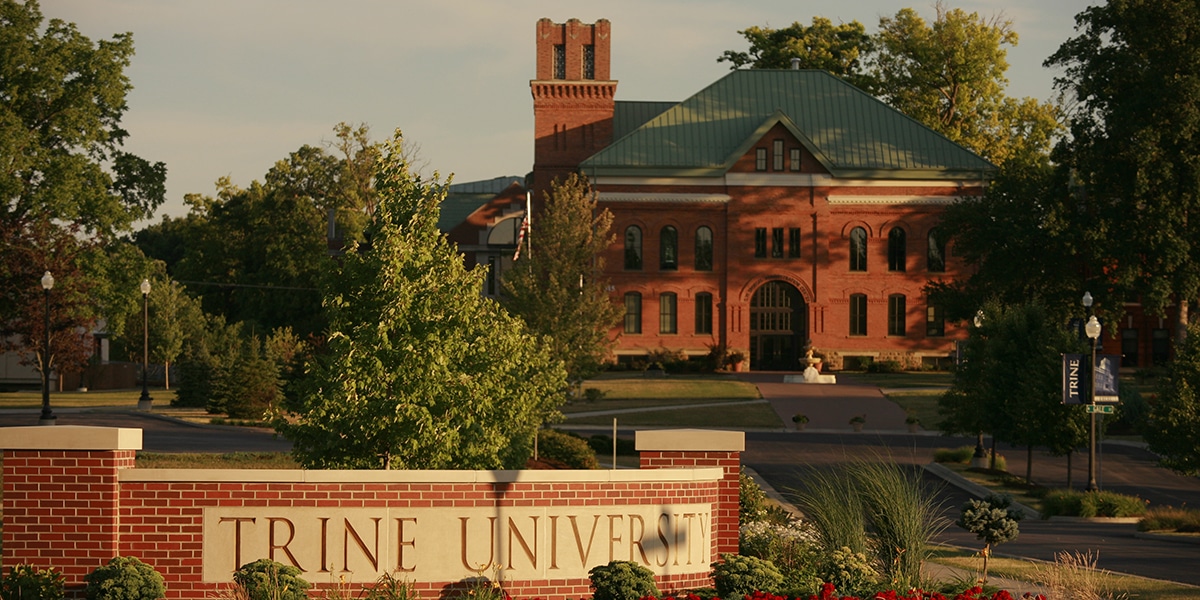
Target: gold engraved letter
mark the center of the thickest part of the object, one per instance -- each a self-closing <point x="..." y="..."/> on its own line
<point x="237" y="538"/>
<point x="402" y="543"/>
<point x="349" y="531"/>
<point x="271" y="521"/>
<point x="514" y="532"/>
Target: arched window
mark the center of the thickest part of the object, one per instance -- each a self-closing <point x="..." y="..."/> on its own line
<point x="704" y="249"/>
<point x="668" y="313"/>
<point x="935" y="259"/>
<point x="633" y="312"/>
<point x="858" y="314"/>
<point x="668" y="249"/>
<point x="633" y="248"/>
<point x="858" y="249"/>
<point x="897" y="250"/>
<point x="703" y="313"/>
<point x="897" y="314"/>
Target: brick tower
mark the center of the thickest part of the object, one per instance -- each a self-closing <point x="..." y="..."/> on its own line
<point x="572" y="97"/>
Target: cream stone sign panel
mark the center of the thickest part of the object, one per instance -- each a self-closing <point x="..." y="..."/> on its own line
<point x="448" y="544"/>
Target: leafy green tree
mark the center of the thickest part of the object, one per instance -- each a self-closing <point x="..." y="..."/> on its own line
<point x="60" y="127"/>
<point x="420" y="370"/>
<point x="1011" y="382"/>
<point x="992" y="520"/>
<point x="948" y="74"/>
<point x="174" y="315"/>
<point x="839" y="49"/>
<point x="557" y="289"/>
<point x="257" y="254"/>
<point x="1027" y="214"/>
<point x="1133" y="71"/>
<point x="1173" y="429"/>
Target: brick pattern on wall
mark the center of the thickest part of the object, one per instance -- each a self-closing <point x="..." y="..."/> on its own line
<point x="60" y="509"/>
<point x="725" y="516"/>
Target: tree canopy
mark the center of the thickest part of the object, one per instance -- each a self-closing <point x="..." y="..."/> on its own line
<point x="948" y="74"/>
<point x="1133" y="72"/>
<point x="60" y="126"/>
<point x="558" y="289"/>
<point x="420" y="371"/>
<point x="1173" y="428"/>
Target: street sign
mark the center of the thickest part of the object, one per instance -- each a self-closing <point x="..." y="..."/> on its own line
<point x="1106" y="409"/>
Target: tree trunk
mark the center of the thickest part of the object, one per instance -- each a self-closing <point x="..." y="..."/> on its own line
<point x="1029" y="464"/>
<point x="1181" y="322"/>
<point x="167" y="376"/>
<point x="1069" y="454"/>
<point x="987" y="552"/>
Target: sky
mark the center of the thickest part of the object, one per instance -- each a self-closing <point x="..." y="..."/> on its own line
<point x="229" y="87"/>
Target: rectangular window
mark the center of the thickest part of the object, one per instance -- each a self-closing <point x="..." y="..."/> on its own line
<point x="858" y="314"/>
<point x="760" y="242"/>
<point x="560" y="61"/>
<point x="778" y="162"/>
<point x="795" y="159"/>
<point x="589" y="61"/>
<point x="897" y="314"/>
<point x="667" y="313"/>
<point x="760" y="159"/>
<point x="633" y="312"/>
<point x="703" y="313"/>
<point x="1129" y="347"/>
<point x="777" y="242"/>
<point x="1160" y="347"/>
<point x="794" y="242"/>
<point x="935" y="322"/>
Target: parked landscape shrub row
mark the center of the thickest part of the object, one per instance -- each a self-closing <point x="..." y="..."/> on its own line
<point x="1072" y="503"/>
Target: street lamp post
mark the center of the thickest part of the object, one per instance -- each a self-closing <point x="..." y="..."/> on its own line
<point x="47" y="417"/>
<point x="979" y="460"/>
<point x="1092" y="329"/>
<point x="144" y="401"/>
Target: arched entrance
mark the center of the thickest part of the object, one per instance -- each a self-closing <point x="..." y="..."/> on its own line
<point x="778" y="327"/>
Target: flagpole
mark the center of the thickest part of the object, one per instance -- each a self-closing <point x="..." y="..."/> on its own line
<point x="529" y="221"/>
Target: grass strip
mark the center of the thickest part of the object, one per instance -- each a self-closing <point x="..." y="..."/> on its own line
<point x="750" y="416"/>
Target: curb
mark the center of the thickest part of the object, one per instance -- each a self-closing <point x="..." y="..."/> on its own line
<point x="1166" y="537"/>
<point x="973" y="488"/>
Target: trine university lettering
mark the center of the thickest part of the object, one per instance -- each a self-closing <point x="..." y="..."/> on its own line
<point x="448" y="544"/>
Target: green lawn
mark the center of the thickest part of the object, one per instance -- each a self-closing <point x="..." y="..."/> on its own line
<point x="623" y="386"/>
<point x="233" y="460"/>
<point x="1074" y="579"/>
<point x="905" y="379"/>
<point x="127" y="397"/>
<point x="920" y="402"/>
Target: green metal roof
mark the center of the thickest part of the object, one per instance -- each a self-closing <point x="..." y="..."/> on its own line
<point x="462" y="199"/>
<point x="631" y="114"/>
<point x="851" y="133"/>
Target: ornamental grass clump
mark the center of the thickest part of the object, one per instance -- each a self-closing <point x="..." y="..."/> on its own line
<point x="1074" y="576"/>
<point x="904" y="517"/>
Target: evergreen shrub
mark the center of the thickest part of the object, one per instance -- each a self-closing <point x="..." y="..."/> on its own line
<point x="622" y="580"/>
<point x="124" y="578"/>
<point x="265" y="579"/>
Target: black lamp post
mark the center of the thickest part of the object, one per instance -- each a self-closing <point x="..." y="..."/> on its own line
<point x="1092" y="329"/>
<point x="144" y="401"/>
<point x="979" y="461"/>
<point x="47" y="417"/>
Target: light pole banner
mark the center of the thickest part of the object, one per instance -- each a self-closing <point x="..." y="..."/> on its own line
<point x="1074" y="374"/>
<point x="1107" y="366"/>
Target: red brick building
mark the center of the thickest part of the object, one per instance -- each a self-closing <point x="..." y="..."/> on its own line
<point x="769" y="209"/>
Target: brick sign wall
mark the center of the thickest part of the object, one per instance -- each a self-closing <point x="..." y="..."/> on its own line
<point x="72" y="500"/>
